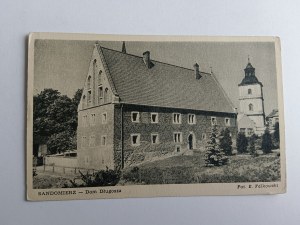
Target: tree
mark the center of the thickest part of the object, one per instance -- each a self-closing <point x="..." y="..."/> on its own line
<point x="55" y="120"/>
<point x="276" y="133"/>
<point x="266" y="144"/>
<point x="226" y="142"/>
<point x="214" y="156"/>
<point x="241" y="143"/>
<point x="252" y="149"/>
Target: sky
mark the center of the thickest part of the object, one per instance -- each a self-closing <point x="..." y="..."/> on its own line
<point x="63" y="65"/>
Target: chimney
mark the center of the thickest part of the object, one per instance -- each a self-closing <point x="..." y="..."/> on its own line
<point x="197" y="72"/>
<point x="147" y="60"/>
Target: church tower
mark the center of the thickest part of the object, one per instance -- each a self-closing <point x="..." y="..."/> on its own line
<point x="251" y="99"/>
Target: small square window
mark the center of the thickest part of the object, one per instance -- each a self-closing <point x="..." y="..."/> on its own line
<point x="92" y="141"/>
<point x="154" y="117"/>
<point x="103" y="140"/>
<point x="177" y="137"/>
<point x="176" y="118"/>
<point x="154" y="138"/>
<point x="191" y="119"/>
<point x="83" y="141"/>
<point x="93" y="119"/>
<point x="177" y="148"/>
<point x="213" y="121"/>
<point x="227" y="122"/>
<point x="135" y="117"/>
<point x="104" y="118"/>
<point x="135" y="139"/>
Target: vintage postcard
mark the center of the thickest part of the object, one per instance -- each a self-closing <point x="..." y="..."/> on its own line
<point x="116" y="116"/>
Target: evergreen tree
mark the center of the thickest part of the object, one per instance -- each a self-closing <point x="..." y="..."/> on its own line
<point x="252" y="149"/>
<point x="226" y="142"/>
<point x="241" y="143"/>
<point x="214" y="156"/>
<point x="266" y="144"/>
<point x="276" y="133"/>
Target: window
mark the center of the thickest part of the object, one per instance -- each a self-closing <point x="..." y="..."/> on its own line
<point x="227" y="122"/>
<point x="135" y="139"/>
<point x="92" y="141"/>
<point x="83" y="102"/>
<point x="250" y="107"/>
<point x="213" y="121"/>
<point x="191" y="119"/>
<point x="100" y="92"/>
<point x="203" y="136"/>
<point x="249" y="91"/>
<point x="100" y="77"/>
<point x="154" y="138"/>
<point x="176" y="118"/>
<point x="103" y="140"/>
<point x="89" y="96"/>
<point x="106" y="97"/>
<point x="93" y="119"/>
<point x="154" y="117"/>
<point x="135" y="117"/>
<point x="104" y="118"/>
<point x="84" y="121"/>
<point x="89" y="82"/>
<point x="177" y="148"/>
<point x="83" y="141"/>
<point x="243" y="130"/>
<point x="177" y="137"/>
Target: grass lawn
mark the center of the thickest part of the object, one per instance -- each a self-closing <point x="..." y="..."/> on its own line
<point x="191" y="169"/>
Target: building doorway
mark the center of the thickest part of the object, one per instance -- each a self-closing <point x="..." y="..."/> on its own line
<point x="191" y="141"/>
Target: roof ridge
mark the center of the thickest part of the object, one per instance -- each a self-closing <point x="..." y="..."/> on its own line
<point x="153" y="60"/>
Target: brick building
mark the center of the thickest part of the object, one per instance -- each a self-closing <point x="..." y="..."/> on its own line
<point x="135" y="109"/>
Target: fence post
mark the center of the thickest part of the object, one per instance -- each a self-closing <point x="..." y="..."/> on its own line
<point x="53" y="169"/>
<point x="75" y="170"/>
<point x="44" y="167"/>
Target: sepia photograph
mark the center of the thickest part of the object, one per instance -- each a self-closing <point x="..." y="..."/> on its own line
<point x="145" y="116"/>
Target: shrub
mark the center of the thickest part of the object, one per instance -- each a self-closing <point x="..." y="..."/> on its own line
<point x="266" y="144"/>
<point x="132" y="175"/>
<point x="226" y="142"/>
<point x="241" y="143"/>
<point x="106" y="177"/>
<point x="252" y="149"/>
<point x="214" y="156"/>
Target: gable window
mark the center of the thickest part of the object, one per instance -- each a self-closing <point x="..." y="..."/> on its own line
<point x="176" y="118"/>
<point x="104" y="118"/>
<point x="106" y="97"/>
<point x="89" y="96"/>
<point x="83" y="101"/>
<point x="213" y="121"/>
<point x="177" y="137"/>
<point x="249" y="91"/>
<point x="93" y="119"/>
<point x="135" y="139"/>
<point x="89" y="82"/>
<point x="92" y="141"/>
<point x="154" y="117"/>
<point x="103" y="140"/>
<point x="250" y="107"/>
<point x="135" y="117"/>
<point x="227" y="122"/>
<point x="191" y="119"/>
<point x="100" y="77"/>
<point x="100" y="92"/>
<point x="154" y="138"/>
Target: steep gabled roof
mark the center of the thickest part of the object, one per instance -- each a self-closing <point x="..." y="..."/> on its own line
<point x="163" y="85"/>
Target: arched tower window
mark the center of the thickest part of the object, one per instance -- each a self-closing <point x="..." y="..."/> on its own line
<point x="94" y="67"/>
<point x="100" y="92"/>
<point x="249" y="91"/>
<point x="250" y="107"/>
<point x="89" y="82"/>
